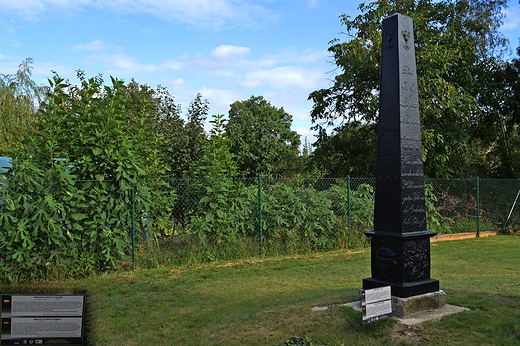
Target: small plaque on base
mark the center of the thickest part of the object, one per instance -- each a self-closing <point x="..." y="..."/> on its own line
<point x="376" y="304"/>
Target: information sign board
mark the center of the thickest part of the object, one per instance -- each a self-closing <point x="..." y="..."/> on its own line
<point x="42" y="319"/>
<point x="376" y="304"/>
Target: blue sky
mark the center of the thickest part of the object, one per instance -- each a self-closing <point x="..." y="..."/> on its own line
<point x="227" y="50"/>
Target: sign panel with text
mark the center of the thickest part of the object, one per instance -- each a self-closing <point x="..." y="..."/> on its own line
<point x="42" y="319"/>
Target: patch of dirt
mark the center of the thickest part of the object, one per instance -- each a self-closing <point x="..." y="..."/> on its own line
<point x="288" y="258"/>
<point x="124" y="277"/>
<point x="236" y="264"/>
<point x="404" y="334"/>
<point x="175" y="273"/>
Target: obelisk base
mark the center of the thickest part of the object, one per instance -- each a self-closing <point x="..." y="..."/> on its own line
<point x="406" y="307"/>
<point x="404" y="290"/>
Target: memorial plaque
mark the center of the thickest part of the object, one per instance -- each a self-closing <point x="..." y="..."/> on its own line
<point x="375" y="295"/>
<point x="42" y="319"/>
<point x="400" y="240"/>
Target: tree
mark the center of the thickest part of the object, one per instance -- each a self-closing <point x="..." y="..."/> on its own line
<point x="19" y="99"/>
<point x="215" y="218"/>
<point x="350" y="151"/>
<point x="454" y="40"/>
<point x="261" y="137"/>
<point x="498" y="121"/>
<point x="194" y="140"/>
<point x="183" y="142"/>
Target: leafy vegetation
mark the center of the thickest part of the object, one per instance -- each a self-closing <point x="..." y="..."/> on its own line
<point x="222" y="209"/>
<point x="222" y="219"/>
<point x="19" y="99"/>
<point x="65" y="203"/>
<point x="500" y="120"/>
<point x="84" y="154"/>
<point x="298" y="341"/>
<point x="467" y="104"/>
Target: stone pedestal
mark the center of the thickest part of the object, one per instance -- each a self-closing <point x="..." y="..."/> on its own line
<point x="407" y="307"/>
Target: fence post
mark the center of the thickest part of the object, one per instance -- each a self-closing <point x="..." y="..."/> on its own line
<point x="260" y="210"/>
<point x="478" y="208"/>
<point x="133" y="223"/>
<point x="348" y="203"/>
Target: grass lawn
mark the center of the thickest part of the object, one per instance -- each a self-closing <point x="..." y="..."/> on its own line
<point x="264" y="301"/>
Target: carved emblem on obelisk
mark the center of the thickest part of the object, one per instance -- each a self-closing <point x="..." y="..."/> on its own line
<point x="389" y="36"/>
<point x="406" y="36"/>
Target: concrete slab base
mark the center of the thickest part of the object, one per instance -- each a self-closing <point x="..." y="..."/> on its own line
<point x="421" y="316"/>
<point x="431" y="315"/>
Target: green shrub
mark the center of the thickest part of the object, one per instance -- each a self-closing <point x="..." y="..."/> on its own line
<point x="298" y="219"/>
<point x="66" y="202"/>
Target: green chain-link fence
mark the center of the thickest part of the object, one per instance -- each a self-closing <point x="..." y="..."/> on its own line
<point x="477" y="205"/>
<point x="102" y="223"/>
<point x="271" y="216"/>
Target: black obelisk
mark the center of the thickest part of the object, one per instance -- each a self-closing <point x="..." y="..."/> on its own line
<point x="400" y="240"/>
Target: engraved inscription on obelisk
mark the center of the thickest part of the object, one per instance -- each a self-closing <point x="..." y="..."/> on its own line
<point x="400" y="240"/>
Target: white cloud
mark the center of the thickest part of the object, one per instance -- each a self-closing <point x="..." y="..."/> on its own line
<point x="300" y="113"/>
<point x="254" y="64"/>
<point x="303" y="131"/>
<point x="32" y="9"/>
<point x="226" y="51"/>
<point x="42" y="72"/>
<point x="213" y="14"/>
<point x="9" y="67"/>
<point x="512" y="19"/>
<point x="96" y="45"/>
<point x="178" y="81"/>
<point x="26" y="8"/>
<point x="224" y="73"/>
<point x="313" y="3"/>
<point x="227" y="60"/>
<point x="125" y="64"/>
<point x="185" y="56"/>
<point x="220" y="99"/>
<point x="121" y="64"/>
<point x="172" y="65"/>
<point x="291" y="55"/>
<point x="284" y="78"/>
<point x="310" y="56"/>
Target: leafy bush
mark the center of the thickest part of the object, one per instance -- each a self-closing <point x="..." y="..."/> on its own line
<point x="66" y="203"/>
<point x="224" y="208"/>
<point x="298" y="219"/>
<point x="435" y="221"/>
<point x="299" y="341"/>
